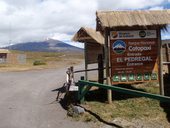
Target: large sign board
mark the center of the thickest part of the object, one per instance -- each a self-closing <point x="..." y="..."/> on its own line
<point x="134" y="56"/>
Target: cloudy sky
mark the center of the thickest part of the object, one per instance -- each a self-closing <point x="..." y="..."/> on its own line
<point x="37" y="20"/>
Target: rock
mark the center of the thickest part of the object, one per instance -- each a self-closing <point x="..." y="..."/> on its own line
<point x="78" y="110"/>
<point x="74" y="111"/>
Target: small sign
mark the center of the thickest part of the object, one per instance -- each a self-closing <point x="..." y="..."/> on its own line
<point x="123" y="78"/>
<point x="146" y="76"/>
<point x="131" y="77"/>
<point x="136" y="34"/>
<point x="139" y="77"/>
<point x="154" y="76"/>
<point x="115" y="78"/>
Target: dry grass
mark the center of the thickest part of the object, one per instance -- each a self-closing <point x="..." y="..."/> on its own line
<point x="51" y="60"/>
<point x="128" y="108"/>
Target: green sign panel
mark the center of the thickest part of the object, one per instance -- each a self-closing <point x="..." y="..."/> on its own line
<point x="154" y="76"/>
<point x="134" y="77"/>
<point x="123" y="77"/>
<point x="139" y="77"/>
<point x="131" y="77"/>
<point x="115" y="78"/>
<point x="146" y="76"/>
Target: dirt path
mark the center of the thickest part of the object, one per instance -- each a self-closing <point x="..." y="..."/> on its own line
<point x="26" y="100"/>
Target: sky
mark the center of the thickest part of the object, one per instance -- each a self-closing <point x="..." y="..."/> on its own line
<point x="38" y="20"/>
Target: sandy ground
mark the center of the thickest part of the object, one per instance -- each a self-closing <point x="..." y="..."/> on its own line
<point x="26" y="100"/>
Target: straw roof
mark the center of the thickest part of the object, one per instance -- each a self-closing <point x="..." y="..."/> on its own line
<point x="137" y="18"/>
<point x="85" y="35"/>
<point x="4" y="51"/>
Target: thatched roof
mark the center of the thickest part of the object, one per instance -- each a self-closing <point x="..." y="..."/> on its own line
<point x="86" y="35"/>
<point x="4" y="51"/>
<point x="140" y="18"/>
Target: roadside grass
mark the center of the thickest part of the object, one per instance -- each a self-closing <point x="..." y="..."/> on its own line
<point x="127" y="108"/>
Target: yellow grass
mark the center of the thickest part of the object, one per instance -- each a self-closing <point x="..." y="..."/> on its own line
<point x="51" y="60"/>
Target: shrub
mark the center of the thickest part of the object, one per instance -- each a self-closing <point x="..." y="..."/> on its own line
<point x="38" y="62"/>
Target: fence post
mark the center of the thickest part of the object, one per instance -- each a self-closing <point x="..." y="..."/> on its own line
<point x="161" y="82"/>
<point x="86" y="60"/>
<point x="80" y="91"/>
<point x="100" y="69"/>
<point x="72" y="74"/>
<point x="167" y="56"/>
<point x="107" y="63"/>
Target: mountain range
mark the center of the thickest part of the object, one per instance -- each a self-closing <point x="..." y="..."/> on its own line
<point x="49" y="45"/>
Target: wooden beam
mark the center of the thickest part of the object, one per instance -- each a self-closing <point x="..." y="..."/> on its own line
<point x="167" y="56"/>
<point x="161" y="83"/>
<point x="100" y="69"/>
<point x="166" y="63"/>
<point x="86" y="61"/>
<point x="84" y="38"/>
<point x="109" y="92"/>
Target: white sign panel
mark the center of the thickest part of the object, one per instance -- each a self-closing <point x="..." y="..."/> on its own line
<point x="138" y="34"/>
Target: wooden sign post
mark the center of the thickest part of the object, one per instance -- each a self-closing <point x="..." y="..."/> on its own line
<point x="107" y="62"/>
<point x="161" y="83"/>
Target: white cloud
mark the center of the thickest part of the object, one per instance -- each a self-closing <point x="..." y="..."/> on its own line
<point x="77" y="44"/>
<point x="61" y="36"/>
<point x="130" y="4"/>
<point x="3" y="7"/>
<point x="34" y="20"/>
<point x="157" y="8"/>
<point x="165" y="34"/>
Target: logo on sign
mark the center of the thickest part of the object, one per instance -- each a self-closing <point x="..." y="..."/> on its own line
<point x="119" y="46"/>
<point x="142" y="34"/>
<point x="114" y="34"/>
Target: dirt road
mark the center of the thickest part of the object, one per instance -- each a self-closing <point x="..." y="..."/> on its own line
<point x="26" y="100"/>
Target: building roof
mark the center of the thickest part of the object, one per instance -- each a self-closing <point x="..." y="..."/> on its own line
<point x="140" y="18"/>
<point x="86" y="35"/>
<point x="4" y="51"/>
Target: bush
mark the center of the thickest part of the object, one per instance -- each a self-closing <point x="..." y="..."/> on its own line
<point x="39" y="62"/>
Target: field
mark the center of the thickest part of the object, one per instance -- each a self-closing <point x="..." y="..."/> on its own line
<point x="44" y="60"/>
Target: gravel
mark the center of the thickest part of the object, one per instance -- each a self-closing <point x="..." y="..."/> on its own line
<point x="27" y="100"/>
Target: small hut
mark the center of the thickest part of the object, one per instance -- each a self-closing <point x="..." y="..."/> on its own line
<point x="93" y="41"/>
<point x="7" y="57"/>
<point x="3" y="55"/>
<point x="139" y="28"/>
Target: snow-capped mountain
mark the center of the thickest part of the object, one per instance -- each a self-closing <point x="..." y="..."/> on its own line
<point x="49" y="45"/>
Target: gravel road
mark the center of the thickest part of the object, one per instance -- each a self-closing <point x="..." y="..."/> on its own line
<point x="26" y="100"/>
